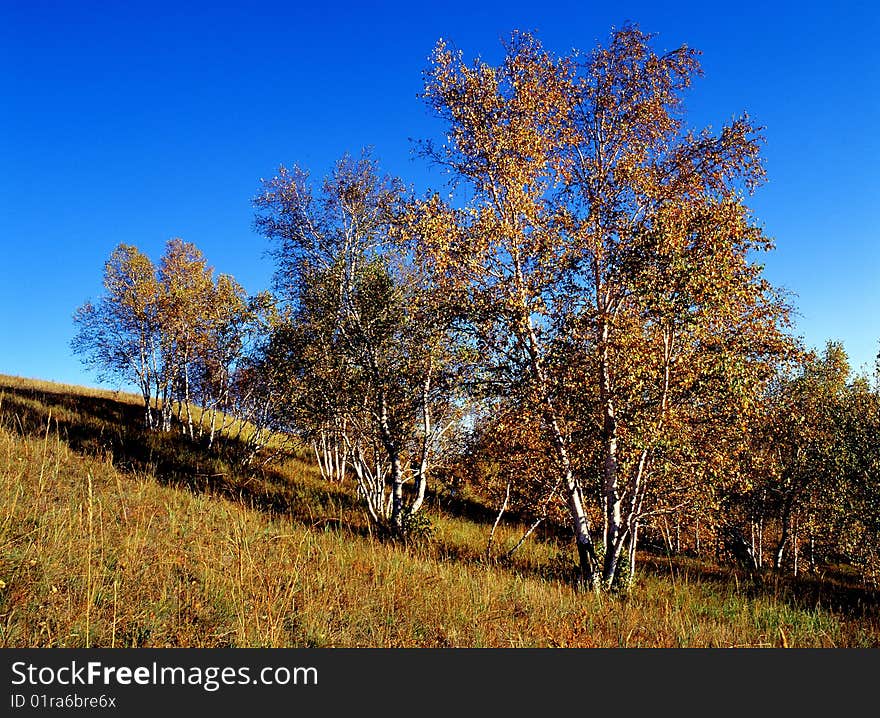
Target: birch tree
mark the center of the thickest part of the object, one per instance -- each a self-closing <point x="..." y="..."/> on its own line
<point x="233" y="324"/>
<point x="187" y="284"/>
<point x="119" y="335"/>
<point x="671" y="300"/>
<point x="601" y="225"/>
<point x="365" y="364"/>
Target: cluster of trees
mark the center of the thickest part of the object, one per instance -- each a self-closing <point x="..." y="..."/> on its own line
<point x="185" y="338"/>
<point x="812" y="466"/>
<point x="364" y="338"/>
<point x="587" y="331"/>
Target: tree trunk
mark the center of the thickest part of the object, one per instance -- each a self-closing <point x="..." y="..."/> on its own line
<point x="589" y="562"/>
<point x="667" y="537"/>
<point x="145" y="382"/>
<point x="422" y="468"/>
<point x="396" y="492"/>
<point x="393" y="453"/>
<point x="754" y="537"/>
<point x="786" y="528"/>
<point x="633" y="541"/>
<point x="167" y="408"/>
<point x="613" y="520"/>
<point x="812" y="552"/>
<point x="186" y="397"/>
<point x="148" y="414"/>
<point x="677" y="535"/>
<point x="497" y="521"/>
<point x="761" y="543"/>
<point x="213" y="431"/>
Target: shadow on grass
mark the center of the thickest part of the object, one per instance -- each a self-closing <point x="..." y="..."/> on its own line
<point x="834" y="589"/>
<point x="114" y="430"/>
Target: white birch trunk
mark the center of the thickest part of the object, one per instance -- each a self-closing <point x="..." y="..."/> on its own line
<point x="611" y="489"/>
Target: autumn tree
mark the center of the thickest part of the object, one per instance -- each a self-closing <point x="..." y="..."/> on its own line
<point x="363" y="332"/>
<point x="185" y="282"/>
<point x="233" y="326"/>
<point x="119" y="334"/>
<point x="265" y="392"/>
<point x="600" y="225"/>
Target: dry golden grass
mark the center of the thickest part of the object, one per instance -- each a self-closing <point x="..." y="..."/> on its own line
<point x="97" y="554"/>
<point x="25" y="384"/>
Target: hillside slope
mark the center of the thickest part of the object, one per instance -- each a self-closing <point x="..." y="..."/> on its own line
<point x="113" y="537"/>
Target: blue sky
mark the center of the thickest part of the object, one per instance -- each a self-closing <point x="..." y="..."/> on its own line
<point x="129" y="122"/>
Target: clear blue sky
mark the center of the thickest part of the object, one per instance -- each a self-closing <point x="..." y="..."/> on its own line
<point x="137" y="122"/>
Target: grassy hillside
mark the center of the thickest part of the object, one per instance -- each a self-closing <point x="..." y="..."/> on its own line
<point x="110" y="536"/>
